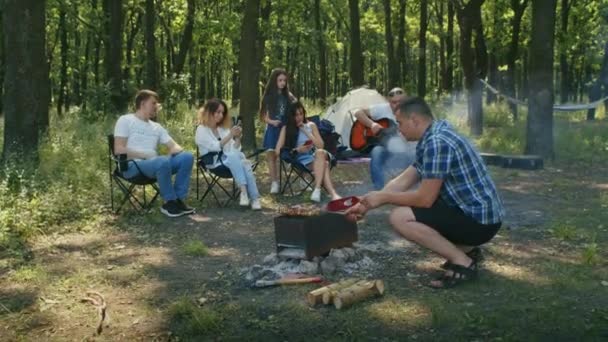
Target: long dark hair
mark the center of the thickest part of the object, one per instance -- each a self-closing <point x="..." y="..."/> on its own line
<point x="291" y="128"/>
<point x="271" y="92"/>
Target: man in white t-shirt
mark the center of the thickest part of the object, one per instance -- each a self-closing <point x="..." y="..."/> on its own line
<point x="138" y="136"/>
<point x="394" y="152"/>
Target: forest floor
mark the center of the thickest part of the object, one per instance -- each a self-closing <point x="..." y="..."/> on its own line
<point x="545" y="275"/>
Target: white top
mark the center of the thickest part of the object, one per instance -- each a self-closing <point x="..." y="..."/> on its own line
<point x="382" y="111"/>
<point x="209" y="142"/>
<point x="142" y="136"/>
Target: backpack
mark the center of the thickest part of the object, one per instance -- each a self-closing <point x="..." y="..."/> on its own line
<point x="327" y="130"/>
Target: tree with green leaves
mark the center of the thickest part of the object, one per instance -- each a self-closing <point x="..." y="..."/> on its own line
<point x="539" y="135"/>
<point x="26" y="81"/>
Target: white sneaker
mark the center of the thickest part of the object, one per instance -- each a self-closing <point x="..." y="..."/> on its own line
<point x="316" y="195"/>
<point x="274" y="188"/>
<point x="256" y="205"/>
<point x="244" y="202"/>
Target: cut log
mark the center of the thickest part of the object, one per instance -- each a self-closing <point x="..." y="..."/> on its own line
<point x="357" y="293"/>
<point x="492" y="159"/>
<point x="330" y="294"/>
<point x="316" y="296"/>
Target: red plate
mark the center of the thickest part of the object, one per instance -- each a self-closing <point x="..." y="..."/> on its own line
<point x="342" y="203"/>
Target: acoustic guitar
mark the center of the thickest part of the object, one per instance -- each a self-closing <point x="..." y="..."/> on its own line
<point x="362" y="137"/>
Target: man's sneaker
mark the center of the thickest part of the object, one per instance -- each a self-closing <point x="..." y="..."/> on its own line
<point x="256" y="205"/>
<point x="172" y="209"/>
<point x="274" y="187"/>
<point x="184" y="207"/>
<point x="316" y="195"/>
<point x="244" y="201"/>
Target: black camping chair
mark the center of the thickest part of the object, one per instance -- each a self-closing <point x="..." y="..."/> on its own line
<point x="213" y="177"/>
<point x="294" y="175"/>
<point x="128" y="186"/>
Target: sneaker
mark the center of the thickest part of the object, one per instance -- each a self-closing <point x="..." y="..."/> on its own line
<point x="184" y="207"/>
<point x="244" y="201"/>
<point x="256" y="205"/>
<point x="316" y="195"/>
<point x="274" y="188"/>
<point x="171" y="209"/>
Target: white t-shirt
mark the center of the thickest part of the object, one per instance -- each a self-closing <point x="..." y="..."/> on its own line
<point x="381" y="111"/>
<point x="207" y="142"/>
<point x="142" y="136"/>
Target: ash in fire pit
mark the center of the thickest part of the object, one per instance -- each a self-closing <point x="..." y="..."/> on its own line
<point x="345" y="261"/>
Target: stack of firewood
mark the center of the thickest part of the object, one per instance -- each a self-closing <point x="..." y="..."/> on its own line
<point x="346" y="292"/>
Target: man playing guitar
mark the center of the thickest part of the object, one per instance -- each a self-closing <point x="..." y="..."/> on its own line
<point x="400" y="154"/>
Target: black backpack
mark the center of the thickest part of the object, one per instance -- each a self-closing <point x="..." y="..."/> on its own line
<point x="331" y="139"/>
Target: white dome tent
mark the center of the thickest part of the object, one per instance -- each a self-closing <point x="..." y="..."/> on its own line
<point x="342" y="113"/>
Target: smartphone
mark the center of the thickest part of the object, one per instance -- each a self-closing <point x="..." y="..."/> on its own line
<point x="308" y="142"/>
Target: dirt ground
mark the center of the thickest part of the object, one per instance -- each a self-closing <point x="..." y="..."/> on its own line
<point x="541" y="279"/>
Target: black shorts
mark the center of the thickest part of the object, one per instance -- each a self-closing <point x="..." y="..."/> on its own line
<point x="453" y="224"/>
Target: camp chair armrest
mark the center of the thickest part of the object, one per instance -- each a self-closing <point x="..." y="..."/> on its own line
<point x="256" y="154"/>
<point x="209" y="155"/>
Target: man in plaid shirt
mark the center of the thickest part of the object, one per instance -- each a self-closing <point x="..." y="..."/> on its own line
<point x="455" y="209"/>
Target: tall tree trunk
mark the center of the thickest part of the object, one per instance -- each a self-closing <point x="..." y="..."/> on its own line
<point x="401" y="61"/>
<point x="113" y="11"/>
<point x="472" y="60"/>
<point x="248" y="70"/>
<point x="2" y="66"/>
<point x="518" y="7"/>
<point x="26" y="82"/>
<point x="263" y="33"/>
<point x="393" y="68"/>
<point x="440" y="6"/>
<point x="449" y="51"/>
<point x="492" y="77"/>
<point x="422" y="48"/>
<point x="149" y="33"/>
<point x="539" y="134"/>
<point x="63" y="72"/>
<point x="77" y="69"/>
<point x="563" y="61"/>
<point x="135" y="20"/>
<point x="322" y="54"/>
<point x="356" y="54"/>
<point x="236" y="80"/>
<point x="180" y="59"/>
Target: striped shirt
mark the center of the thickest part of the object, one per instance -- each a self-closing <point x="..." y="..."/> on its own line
<point x="444" y="154"/>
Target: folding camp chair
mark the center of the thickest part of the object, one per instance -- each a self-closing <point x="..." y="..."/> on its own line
<point x="295" y="175"/>
<point x="129" y="186"/>
<point x="213" y="178"/>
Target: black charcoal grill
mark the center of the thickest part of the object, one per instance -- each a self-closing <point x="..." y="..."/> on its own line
<point x="306" y="237"/>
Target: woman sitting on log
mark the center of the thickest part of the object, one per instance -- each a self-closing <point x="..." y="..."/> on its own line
<point x="303" y="144"/>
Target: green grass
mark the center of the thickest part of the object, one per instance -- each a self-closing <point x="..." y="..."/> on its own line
<point x="564" y="232"/>
<point x="195" y="248"/>
<point x="191" y="322"/>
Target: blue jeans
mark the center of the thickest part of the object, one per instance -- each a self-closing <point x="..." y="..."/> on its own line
<point x="162" y="168"/>
<point x="383" y="160"/>
<point x="242" y="173"/>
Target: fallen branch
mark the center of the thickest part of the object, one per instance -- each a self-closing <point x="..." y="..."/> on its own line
<point x="99" y="302"/>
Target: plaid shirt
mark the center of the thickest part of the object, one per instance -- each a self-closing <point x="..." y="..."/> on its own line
<point x="443" y="154"/>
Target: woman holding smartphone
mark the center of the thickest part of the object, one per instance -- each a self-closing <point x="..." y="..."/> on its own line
<point x="214" y="134"/>
<point x="301" y="137"/>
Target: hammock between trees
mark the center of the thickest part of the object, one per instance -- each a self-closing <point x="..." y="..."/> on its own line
<point x="556" y="108"/>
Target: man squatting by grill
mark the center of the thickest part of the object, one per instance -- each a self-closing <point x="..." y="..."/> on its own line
<point x="455" y="209"/>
